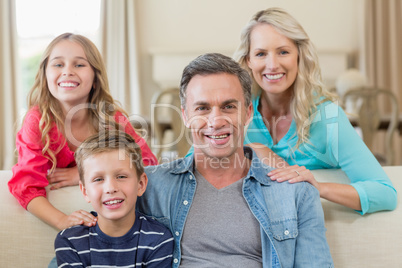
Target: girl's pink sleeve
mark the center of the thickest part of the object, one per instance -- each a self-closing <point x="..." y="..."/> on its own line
<point x="29" y="174"/>
<point x="148" y="158"/>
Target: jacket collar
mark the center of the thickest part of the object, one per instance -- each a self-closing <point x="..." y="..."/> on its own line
<point x="258" y="170"/>
<point x="183" y="165"/>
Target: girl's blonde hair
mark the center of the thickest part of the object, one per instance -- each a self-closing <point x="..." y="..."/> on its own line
<point x="101" y="106"/>
<point x="309" y="89"/>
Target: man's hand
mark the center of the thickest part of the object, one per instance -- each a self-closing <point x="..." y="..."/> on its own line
<point x="62" y="177"/>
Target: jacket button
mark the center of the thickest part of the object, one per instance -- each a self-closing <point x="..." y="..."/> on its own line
<point x="175" y="260"/>
<point x="185" y="202"/>
<point x="177" y="233"/>
<point x="286" y="232"/>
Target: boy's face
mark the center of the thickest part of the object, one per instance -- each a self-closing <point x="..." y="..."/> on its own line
<point x="112" y="186"/>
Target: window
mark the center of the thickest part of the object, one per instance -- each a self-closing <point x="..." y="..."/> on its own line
<point x="40" y="21"/>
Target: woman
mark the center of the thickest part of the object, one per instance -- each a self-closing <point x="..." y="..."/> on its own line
<point x="298" y="120"/>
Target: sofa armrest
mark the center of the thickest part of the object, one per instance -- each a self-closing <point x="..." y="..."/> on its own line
<point x="25" y="240"/>
<point x="372" y="240"/>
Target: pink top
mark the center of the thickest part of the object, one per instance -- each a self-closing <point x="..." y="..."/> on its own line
<point x="30" y="173"/>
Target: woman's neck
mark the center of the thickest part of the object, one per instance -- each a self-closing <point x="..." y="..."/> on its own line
<point x="275" y="105"/>
<point x="275" y="110"/>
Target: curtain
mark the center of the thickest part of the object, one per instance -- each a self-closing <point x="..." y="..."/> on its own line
<point x="8" y="86"/>
<point x="119" y="50"/>
<point x="384" y="44"/>
<point x="383" y="50"/>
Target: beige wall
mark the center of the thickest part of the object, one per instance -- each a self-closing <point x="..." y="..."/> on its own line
<point x="215" y="25"/>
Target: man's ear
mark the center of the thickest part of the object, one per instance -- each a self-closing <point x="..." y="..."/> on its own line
<point x="185" y="119"/>
<point x="84" y="192"/>
<point x="142" y="184"/>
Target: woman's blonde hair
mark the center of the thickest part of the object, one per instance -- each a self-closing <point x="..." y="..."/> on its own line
<point x="309" y="89"/>
<point x="101" y="106"/>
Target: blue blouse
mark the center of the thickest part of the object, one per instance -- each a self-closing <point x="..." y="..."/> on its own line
<point x="333" y="143"/>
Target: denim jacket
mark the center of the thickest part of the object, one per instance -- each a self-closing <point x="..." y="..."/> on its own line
<point x="290" y="215"/>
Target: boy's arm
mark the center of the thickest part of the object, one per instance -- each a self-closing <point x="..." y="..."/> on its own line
<point x="312" y="249"/>
<point x="66" y="254"/>
<point x="162" y="255"/>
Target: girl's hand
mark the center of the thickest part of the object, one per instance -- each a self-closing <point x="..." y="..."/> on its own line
<point x="79" y="217"/>
<point x="294" y="174"/>
<point x="62" y="177"/>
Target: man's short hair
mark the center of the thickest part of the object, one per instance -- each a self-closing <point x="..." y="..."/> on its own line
<point x="107" y="141"/>
<point x="215" y="63"/>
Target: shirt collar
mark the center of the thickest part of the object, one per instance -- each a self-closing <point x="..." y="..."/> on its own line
<point x="258" y="170"/>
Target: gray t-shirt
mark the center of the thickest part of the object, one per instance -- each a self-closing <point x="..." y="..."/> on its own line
<point x="220" y="230"/>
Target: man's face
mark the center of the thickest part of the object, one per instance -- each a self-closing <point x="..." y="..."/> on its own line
<point x="216" y="114"/>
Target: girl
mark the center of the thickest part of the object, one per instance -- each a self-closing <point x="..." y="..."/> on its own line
<point x="69" y="102"/>
<point x="298" y="120"/>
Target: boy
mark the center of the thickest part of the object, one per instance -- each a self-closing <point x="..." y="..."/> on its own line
<point x="111" y="178"/>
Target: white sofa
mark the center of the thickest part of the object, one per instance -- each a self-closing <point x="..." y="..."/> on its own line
<point x="373" y="240"/>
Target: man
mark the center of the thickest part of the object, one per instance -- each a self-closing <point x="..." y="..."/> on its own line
<point x="220" y="205"/>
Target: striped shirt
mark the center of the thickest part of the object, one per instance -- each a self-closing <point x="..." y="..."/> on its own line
<point x="147" y="244"/>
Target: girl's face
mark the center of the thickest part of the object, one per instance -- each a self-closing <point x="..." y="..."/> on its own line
<point x="69" y="75"/>
<point x="272" y="59"/>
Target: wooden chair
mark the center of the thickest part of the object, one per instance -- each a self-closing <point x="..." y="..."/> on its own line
<point x="369" y="117"/>
<point x="169" y="133"/>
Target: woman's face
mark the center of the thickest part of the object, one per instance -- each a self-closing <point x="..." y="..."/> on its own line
<point x="272" y="59"/>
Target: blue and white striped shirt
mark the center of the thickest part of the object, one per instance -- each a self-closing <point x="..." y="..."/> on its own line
<point x="147" y="244"/>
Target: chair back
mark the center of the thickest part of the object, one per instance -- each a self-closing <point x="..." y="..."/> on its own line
<point x="369" y="117"/>
<point x="169" y="133"/>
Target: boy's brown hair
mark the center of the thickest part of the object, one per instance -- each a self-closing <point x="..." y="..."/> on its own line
<point x="107" y="141"/>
